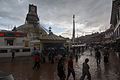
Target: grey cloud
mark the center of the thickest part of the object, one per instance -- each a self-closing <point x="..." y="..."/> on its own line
<point x="12" y="8"/>
<point x="92" y="13"/>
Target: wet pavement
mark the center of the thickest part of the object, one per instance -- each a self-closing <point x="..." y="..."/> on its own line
<point x="21" y="68"/>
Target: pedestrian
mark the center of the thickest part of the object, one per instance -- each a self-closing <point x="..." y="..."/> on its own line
<point x="32" y="55"/>
<point x="85" y="70"/>
<point x="34" y="51"/>
<point x="61" y="69"/>
<point x="13" y="55"/>
<point x="76" y="57"/>
<point x="90" y="49"/>
<point x="70" y="68"/>
<point x="49" y="56"/>
<point x="36" y="59"/>
<point x="43" y="57"/>
<point x="52" y="58"/>
<point x="97" y="56"/>
<point x="106" y="56"/>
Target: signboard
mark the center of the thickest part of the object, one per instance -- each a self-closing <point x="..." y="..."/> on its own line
<point x="8" y="34"/>
<point x="2" y="34"/>
<point x="12" y="34"/>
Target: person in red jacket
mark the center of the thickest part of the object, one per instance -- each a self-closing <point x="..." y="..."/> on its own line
<point x="70" y="68"/>
<point x="36" y="59"/>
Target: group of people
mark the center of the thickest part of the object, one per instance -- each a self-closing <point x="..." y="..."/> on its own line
<point x="51" y="54"/>
<point x="61" y="69"/>
<point x="98" y="55"/>
<point x="61" y="63"/>
<point x="85" y="69"/>
<point x="44" y="56"/>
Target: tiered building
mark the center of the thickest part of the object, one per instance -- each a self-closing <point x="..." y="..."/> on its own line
<point x="115" y="24"/>
<point x="31" y="34"/>
<point x="37" y="35"/>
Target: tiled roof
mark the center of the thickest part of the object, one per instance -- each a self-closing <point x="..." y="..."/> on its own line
<point x="51" y="37"/>
<point x="44" y="36"/>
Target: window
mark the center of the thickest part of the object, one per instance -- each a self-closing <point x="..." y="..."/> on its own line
<point x="17" y="50"/>
<point x="26" y="50"/>
<point x="10" y="42"/>
<point x="3" y="51"/>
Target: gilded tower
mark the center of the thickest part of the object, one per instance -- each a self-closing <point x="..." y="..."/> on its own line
<point x="32" y="25"/>
<point x="32" y="16"/>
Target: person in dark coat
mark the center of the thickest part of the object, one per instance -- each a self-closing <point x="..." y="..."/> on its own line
<point x="76" y="57"/>
<point x="85" y="70"/>
<point x="106" y="56"/>
<point x="70" y="68"/>
<point x="61" y="69"/>
<point x="98" y="56"/>
<point x="13" y="55"/>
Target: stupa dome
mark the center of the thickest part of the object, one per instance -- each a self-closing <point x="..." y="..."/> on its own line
<point x="32" y="24"/>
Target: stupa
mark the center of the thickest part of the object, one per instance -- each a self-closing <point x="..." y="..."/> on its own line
<point x="37" y="35"/>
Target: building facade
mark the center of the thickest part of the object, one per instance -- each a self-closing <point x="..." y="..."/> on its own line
<point x="37" y="35"/>
<point x="115" y="24"/>
<point x="29" y="35"/>
<point x="13" y="40"/>
<point x="115" y="19"/>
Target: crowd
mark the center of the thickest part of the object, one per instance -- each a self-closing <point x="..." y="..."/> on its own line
<point x="61" y="56"/>
<point x="52" y="56"/>
<point x="98" y="52"/>
<point x="47" y="55"/>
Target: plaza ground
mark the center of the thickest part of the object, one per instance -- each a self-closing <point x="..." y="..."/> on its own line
<point x="21" y="68"/>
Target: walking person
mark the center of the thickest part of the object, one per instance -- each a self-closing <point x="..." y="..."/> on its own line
<point x="85" y="70"/>
<point x="70" y="68"/>
<point x="61" y="69"/>
<point x="52" y="58"/>
<point x="106" y="56"/>
<point x="90" y="49"/>
<point x="76" y="57"/>
<point x="98" y="56"/>
<point x="36" y="58"/>
<point x="13" y="55"/>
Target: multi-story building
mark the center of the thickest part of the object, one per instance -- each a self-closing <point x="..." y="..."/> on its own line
<point x="94" y="38"/>
<point x="115" y="23"/>
<point x="108" y="38"/>
<point x="13" y="40"/>
<point x="115" y="19"/>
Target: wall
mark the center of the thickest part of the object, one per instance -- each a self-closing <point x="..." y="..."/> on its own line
<point x="6" y="52"/>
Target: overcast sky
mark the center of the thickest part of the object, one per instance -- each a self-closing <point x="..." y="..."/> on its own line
<point x="91" y="15"/>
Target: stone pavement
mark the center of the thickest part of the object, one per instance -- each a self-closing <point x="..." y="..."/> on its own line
<point x="21" y="68"/>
